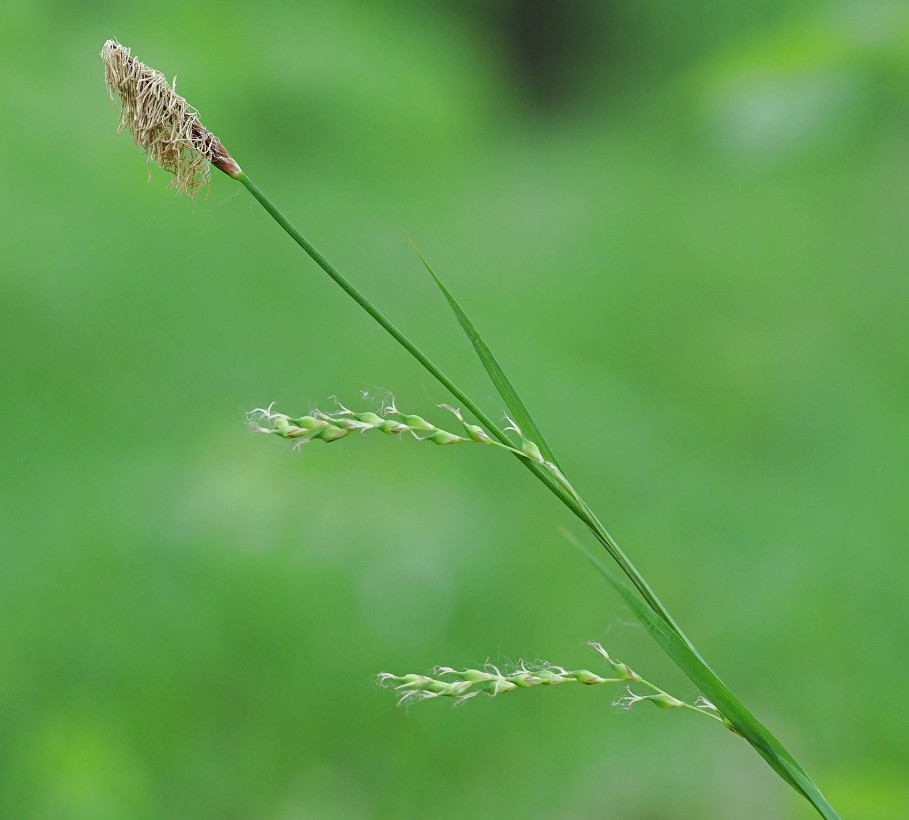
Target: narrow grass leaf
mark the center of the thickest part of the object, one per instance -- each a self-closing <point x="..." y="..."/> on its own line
<point x="698" y="672"/>
<point x="502" y="383"/>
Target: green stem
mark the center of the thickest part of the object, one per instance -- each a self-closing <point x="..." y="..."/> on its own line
<point x="680" y="646"/>
<point x="363" y="302"/>
<point x="582" y="513"/>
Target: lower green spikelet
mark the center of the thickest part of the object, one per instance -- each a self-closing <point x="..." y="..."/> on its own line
<point x="446" y="682"/>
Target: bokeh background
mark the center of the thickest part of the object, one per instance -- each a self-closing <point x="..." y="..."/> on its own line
<point x="683" y="228"/>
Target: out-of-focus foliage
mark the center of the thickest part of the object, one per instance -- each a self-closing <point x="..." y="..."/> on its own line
<point x="683" y="232"/>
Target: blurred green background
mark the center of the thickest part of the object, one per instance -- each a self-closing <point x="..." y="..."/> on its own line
<point x="683" y="230"/>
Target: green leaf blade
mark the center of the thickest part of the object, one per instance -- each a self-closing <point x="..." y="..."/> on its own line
<point x="698" y="672"/>
<point x="494" y="370"/>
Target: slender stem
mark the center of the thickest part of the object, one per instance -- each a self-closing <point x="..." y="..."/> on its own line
<point x="361" y="300"/>
<point x="577" y="506"/>
<point x="744" y="721"/>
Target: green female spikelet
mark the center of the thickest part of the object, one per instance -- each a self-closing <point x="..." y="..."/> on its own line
<point x="319" y="426"/>
<point x="446" y="682"/>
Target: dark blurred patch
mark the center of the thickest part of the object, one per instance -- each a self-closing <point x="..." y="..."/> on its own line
<point x="545" y="41"/>
<point x="556" y="50"/>
<point x="560" y="53"/>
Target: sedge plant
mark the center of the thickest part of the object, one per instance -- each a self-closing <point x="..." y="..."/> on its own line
<point x="170" y="132"/>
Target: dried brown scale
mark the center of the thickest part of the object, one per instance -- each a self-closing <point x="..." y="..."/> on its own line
<point x="162" y="122"/>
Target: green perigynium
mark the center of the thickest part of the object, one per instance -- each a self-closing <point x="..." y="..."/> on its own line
<point x="321" y="426"/>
